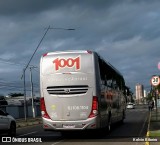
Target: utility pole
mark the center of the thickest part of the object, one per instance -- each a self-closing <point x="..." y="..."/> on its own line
<point x="23" y="75"/>
<point x="33" y="108"/>
<point x="25" y="107"/>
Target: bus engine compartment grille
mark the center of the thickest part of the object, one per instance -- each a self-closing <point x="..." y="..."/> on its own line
<point x="67" y="90"/>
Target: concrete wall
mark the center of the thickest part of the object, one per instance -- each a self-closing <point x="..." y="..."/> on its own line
<point x="18" y="111"/>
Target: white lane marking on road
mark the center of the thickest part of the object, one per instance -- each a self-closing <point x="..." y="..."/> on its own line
<point x="143" y="125"/>
<point x="57" y="142"/>
<point x="142" y="128"/>
<point x="27" y="133"/>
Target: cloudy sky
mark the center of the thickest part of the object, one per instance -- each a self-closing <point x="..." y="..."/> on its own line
<point x="126" y="33"/>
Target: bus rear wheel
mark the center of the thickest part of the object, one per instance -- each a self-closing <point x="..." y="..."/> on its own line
<point x="123" y="117"/>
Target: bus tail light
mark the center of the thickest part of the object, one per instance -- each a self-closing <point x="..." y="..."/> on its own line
<point x="43" y="109"/>
<point x="94" y="110"/>
<point x="45" y="54"/>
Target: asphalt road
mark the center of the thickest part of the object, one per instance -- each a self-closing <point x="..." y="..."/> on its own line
<point x="135" y="126"/>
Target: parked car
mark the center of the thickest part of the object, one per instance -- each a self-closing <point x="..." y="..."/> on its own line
<point x="7" y="123"/>
<point x="130" y="106"/>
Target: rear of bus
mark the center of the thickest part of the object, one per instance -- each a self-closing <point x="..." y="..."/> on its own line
<point x="68" y="93"/>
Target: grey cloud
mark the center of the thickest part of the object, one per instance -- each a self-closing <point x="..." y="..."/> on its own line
<point x="125" y="33"/>
<point x="8" y="7"/>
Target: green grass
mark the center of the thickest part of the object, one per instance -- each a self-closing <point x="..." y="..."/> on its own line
<point x="154" y="133"/>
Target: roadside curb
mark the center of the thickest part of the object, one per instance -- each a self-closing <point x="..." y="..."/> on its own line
<point x="148" y="133"/>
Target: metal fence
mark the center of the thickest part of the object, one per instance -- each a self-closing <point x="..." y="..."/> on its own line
<point x="18" y="111"/>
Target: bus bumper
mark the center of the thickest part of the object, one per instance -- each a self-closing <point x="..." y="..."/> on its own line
<point x="90" y="123"/>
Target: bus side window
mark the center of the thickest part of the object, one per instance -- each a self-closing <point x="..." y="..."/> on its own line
<point x="114" y="84"/>
<point x="109" y="83"/>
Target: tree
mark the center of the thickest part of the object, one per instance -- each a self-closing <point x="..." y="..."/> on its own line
<point x="149" y="96"/>
<point x="2" y="97"/>
<point x="2" y="100"/>
<point x="156" y="91"/>
<point x="158" y="88"/>
<point x="15" y="94"/>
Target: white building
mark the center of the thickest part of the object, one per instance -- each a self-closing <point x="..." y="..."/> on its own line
<point x="145" y="93"/>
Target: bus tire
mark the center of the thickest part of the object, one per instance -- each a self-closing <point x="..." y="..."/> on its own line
<point x="12" y="129"/>
<point x="123" y="117"/>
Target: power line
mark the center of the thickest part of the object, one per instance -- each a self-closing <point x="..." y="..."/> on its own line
<point x="11" y="62"/>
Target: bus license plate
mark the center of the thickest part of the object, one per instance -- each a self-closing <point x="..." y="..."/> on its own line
<point x="68" y="126"/>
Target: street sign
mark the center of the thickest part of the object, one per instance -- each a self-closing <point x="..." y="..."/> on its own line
<point x="155" y="80"/>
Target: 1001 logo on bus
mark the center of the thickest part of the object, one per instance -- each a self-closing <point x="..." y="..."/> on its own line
<point x="70" y="62"/>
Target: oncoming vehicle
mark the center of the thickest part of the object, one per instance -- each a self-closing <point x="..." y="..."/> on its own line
<point x="130" y="106"/>
<point x="80" y="91"/>
<point x="7" y="124"/>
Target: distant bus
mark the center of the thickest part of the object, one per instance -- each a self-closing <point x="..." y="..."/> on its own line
<point x="80" y="91"/>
